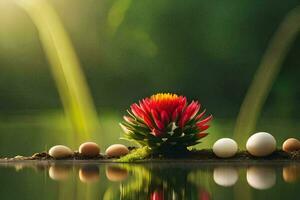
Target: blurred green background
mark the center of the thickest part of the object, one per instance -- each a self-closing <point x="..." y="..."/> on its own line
<point x="129" y="49"/>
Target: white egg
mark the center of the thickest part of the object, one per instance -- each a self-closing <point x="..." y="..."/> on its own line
<point x="261" y="144"/>
<point x="225" y="148"/>
<point x="225" y="176"/>
<point x="261" y="178"/>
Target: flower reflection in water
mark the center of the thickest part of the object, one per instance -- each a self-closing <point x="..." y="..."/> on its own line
<point x="161" y="181"/>
<point x="204" y="195"/>
<point x="157" y="195"/>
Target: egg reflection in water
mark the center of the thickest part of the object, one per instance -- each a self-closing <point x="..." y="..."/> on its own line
<point x="89" y="174"/>
<point x="225" y="176"/>
<point x="260" y="177"/>
<point x="291" y="173"/>
<point x="116" y="174"/>
<point x="19" y="167"/>
<point x="59" y="172"/>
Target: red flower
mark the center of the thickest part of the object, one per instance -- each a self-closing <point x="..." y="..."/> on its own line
<point x="168" y="117"/>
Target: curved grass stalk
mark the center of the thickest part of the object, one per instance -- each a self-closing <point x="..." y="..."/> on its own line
<point x="266" y="74"/>
<point x="66" y="70"/>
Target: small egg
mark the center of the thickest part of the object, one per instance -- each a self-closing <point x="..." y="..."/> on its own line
<point x="116" y="174"/>
<point x="225" y="176"/>
<point x="225" y="148"/>
<point x="261" y="144"/>
<point x="89" y="149"/>
<point x="89" y="174"/>
<point x="60" y="151"/>
<point x="261" y="178"/>
<point x="116" y="150"/>
<point x="290" y="145"/>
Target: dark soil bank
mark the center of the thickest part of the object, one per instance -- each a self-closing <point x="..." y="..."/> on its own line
<point x="194" y="155"/>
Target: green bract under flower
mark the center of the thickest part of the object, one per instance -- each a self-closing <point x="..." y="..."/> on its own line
<point x="165" y="122"/>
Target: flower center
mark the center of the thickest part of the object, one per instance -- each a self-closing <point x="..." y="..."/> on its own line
<point x="164" y="97"/>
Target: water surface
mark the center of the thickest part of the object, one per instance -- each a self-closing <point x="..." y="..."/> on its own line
<point x="154" y="181"/>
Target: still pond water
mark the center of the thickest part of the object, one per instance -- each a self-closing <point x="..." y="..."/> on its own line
<point x="155" y="181"/>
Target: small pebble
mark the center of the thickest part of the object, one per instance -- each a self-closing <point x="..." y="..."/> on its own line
<point x="60" y="151"/>
<point x="89" y="149"/>
<point x="225" y="148"/>
<point x="291" y="144"/>
<point x="19" y="157"/>
<point x="116" y="150"/>
<point x="261" y="144"/>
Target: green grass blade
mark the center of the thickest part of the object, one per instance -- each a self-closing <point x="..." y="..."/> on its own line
<point x="66" y="70"/>
<point x="266" y="75"/>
